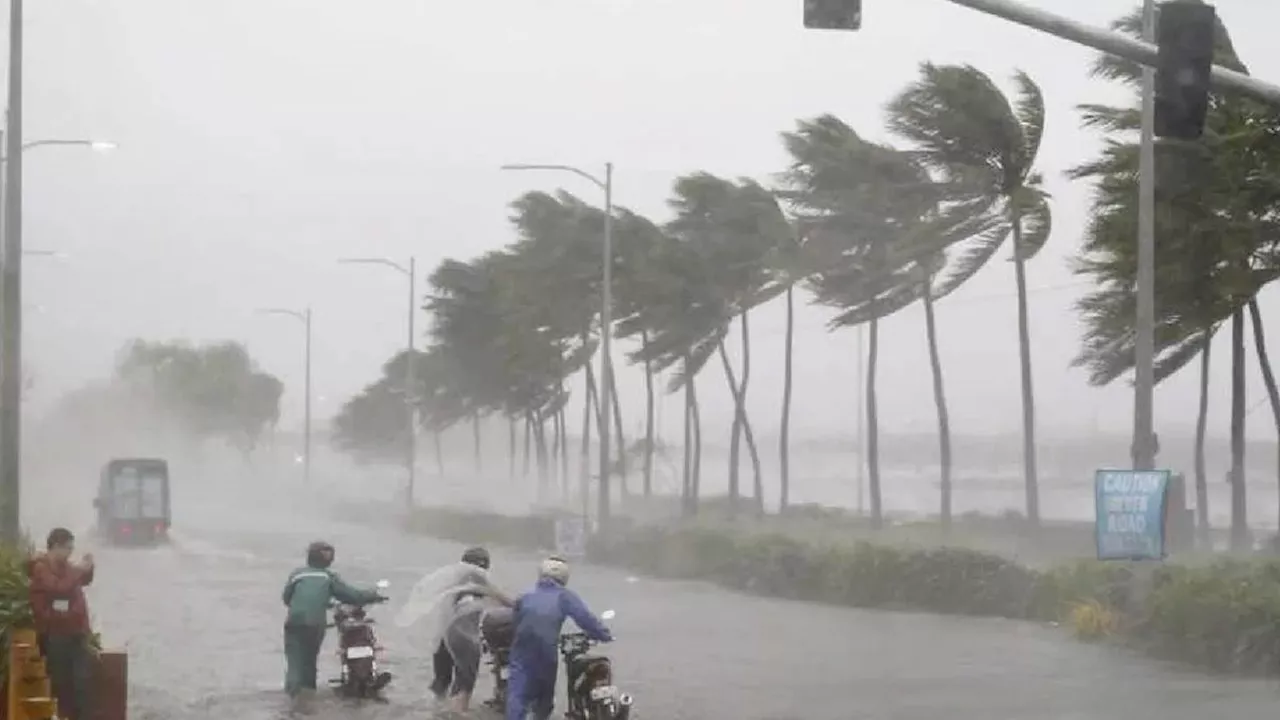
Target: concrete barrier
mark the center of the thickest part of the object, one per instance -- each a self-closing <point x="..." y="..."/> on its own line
<point x="111" y="687"/>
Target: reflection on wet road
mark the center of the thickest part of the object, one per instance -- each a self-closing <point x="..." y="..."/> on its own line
<point x="201" y="621"/>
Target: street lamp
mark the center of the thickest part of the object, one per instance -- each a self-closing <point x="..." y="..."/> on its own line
<point x="606" y="319"/>
<point x="95" y="145"/>
<point x="303" y="316"/>
<point x="410" y="370"/>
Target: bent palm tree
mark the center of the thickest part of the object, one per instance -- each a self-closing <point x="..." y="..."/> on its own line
<point x="969" y="133"/>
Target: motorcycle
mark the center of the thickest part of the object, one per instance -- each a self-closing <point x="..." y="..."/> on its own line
<point x="497" y="630"/>
<point x="358" y="652"/>
<point x="590" y="689"/>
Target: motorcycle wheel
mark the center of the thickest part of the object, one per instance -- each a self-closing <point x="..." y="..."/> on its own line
<point x="359" y="678"/>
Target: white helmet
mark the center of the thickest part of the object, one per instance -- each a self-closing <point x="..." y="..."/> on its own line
<point x="554" y="568"/>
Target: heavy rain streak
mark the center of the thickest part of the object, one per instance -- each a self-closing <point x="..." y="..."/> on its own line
<point x="614" y="360"/>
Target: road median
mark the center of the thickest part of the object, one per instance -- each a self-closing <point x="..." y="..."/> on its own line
<point x="1222" y="614"/>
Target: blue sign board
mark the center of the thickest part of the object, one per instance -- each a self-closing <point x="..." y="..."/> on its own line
<point x="1131" y="511"/>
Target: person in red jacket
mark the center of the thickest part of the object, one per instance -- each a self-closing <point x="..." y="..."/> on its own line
<point x="62" y="621"/>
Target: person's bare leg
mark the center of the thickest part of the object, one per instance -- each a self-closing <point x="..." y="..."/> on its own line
<point x="462" y="702"/>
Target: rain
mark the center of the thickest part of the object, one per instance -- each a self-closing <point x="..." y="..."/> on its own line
<point x="860" y="359"/>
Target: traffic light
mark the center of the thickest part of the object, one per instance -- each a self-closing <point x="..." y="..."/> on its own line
<point x="1185" y="33"/>
<point x="833" y="14"/>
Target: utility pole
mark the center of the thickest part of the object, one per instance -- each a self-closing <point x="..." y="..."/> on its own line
<point x="411" y="388"/>
<point x="411" y="366"/>
<point x="304" y="317"/>
<point x="11" y="297"/>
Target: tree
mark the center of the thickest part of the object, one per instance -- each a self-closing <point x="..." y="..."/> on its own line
<point x="637" y="242"/>
<point x="740" y="225"/>
<point x="984" y="147"/>
<point x="1216" y="202"/>
<point x="873" y="229"/>
<point x="211" y="391"/>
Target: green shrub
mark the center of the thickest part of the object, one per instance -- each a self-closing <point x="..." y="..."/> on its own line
<point x="1225" y="616"/>
<point x="15" y="598"/>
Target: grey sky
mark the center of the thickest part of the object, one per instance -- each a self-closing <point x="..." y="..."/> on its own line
<point x="262" y="139"/>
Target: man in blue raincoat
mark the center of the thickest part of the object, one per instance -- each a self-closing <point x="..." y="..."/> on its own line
<point x="539" y="615"/>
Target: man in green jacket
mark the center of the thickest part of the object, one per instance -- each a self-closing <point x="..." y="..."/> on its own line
<point x="307" y="594"/>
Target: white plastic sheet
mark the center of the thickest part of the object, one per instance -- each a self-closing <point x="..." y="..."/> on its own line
<point x="430" y="597"/>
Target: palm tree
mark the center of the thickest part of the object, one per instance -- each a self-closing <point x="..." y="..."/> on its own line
<point x="930" y="267"/>
<point x="637" y="241"/>
<point x="1216" y="203"/>
<point x="864" y="210"/>
<point x="789" y="268"/>
<point x="739" y="224"/>
<point x="685" y="324"/>
<point x="973" y="138"/>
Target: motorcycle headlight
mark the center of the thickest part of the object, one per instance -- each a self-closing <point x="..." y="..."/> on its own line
<point x="624" y="699"/>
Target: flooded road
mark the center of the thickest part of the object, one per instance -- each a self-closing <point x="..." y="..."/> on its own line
<point x="201" y="621"/>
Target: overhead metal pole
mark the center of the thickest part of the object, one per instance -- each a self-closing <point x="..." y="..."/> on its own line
<point x="606" y="353"/>
<point x="11" y="297"/>
<point x="1114" y="43"/>
<point x="303" y="317"/>
<point x="410" y="371"/>
<point x="606" y="322"/>
<point x="411" y="386"/>
<point x="1144" y="339"/>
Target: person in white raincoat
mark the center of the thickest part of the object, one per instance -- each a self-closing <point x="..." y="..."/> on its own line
<point x="455" y="612"/>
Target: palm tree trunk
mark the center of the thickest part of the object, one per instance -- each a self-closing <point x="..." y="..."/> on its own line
<point x="686" y="479"/>
<point x="1240" y="541"/>
<point x="554" y="453"/>
<point x="1024" y="362"/>
<point x="564" y="454"/>
<point x="1268" y="377"/>
<point x="439" y="453"/>
<point x="528" y="438"/>
<point x="540" y="445"/>
<point x="697" y="448"/>
<point x="754" y="454"/>
<point x="784" y="433"/>
<point x="757" y="479"/>
<point x="1202" y="425"/>
<point x="584" y="468"/>
<point x="940" y="401"/>
<point x="735" y="436"/>
<point x="873" y="427"/>
<point x="475" y="433"/>
<point x="648" y="415"/>
<point x="617" y="428"/>
<point x="511" y="444"/>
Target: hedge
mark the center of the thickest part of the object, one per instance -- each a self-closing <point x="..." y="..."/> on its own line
<point x="1223" y="615"/>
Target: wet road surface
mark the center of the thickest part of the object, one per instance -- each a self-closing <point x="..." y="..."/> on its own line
<point x="201" y="621"/>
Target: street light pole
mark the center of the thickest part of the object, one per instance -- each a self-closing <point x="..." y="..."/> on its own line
<point x="303" y="317"/>
<point x="11" y="297"/>
<point x="410" y="371"/>
<point x="606" y="322"/>
<point x="411" y="387"/>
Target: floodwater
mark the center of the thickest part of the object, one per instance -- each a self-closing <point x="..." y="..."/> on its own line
<point x="202" y="623"/>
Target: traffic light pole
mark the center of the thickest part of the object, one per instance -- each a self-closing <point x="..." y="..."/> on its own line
<point x="1114" y="43"/>
<point x="1144" y="452"/>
